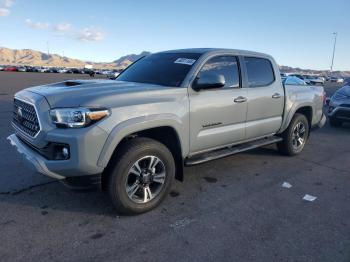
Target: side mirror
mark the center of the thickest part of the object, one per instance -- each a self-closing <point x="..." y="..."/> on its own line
<point x="209" y="81"/>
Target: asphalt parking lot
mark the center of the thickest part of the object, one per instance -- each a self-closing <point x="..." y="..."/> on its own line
<point x="233" y="209"/>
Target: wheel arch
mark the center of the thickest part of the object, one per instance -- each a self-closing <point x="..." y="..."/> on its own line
<point x="167" y="132"/>
<point x="305" y="109"/>
<point x="307" y="112"/>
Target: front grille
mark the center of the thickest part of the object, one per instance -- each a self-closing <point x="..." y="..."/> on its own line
<point x="25" y="118"/>
<point x="343" y="114"/>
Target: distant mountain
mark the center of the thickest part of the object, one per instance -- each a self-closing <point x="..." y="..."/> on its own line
<point x="125" y="61"/>
<point x="36" y="58"/>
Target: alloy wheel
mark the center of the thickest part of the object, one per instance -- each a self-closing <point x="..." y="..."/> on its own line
<point x="145" y="179"/>
<point x="299" y="136"/>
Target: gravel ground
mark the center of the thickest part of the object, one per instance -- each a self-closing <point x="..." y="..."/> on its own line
<point x="232" y="209"/>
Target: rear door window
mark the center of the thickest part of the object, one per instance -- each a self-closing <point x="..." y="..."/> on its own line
<point x="260" y="71"/>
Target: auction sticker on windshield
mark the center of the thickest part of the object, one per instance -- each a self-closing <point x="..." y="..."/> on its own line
<point x="185" y="61"/>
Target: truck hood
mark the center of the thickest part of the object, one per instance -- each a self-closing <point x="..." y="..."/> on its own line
<point x="97" y="93"/>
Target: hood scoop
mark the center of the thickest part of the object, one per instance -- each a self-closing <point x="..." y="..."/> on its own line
<point x="72" y="83"/>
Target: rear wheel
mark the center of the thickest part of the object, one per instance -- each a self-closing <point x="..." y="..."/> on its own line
<point x="295" y="137"/>
<point x="141" y="177"/>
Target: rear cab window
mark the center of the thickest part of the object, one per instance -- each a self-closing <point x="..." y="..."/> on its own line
<point x="259" y="71"/>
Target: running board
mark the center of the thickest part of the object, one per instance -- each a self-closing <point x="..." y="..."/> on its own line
<point x="227" y="151"/>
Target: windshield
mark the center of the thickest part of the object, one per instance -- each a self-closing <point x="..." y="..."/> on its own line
<point x="167" y="69"/>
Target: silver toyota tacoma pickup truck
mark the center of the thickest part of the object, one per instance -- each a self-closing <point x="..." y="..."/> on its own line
<point x="135" y="134"/>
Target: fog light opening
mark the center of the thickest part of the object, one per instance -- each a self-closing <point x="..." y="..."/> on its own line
<point x="61" y="152"/>
<point x="65" y="152"/>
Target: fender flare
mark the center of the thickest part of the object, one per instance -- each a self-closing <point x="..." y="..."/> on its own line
<point x="137" y="124"/>
<point x="291" y="112"/>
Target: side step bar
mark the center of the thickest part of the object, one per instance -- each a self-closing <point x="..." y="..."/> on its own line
<point x="227" y="151"/>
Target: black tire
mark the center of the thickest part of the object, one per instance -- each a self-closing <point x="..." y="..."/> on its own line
<point x="286" y="146"/>
<point x="335" y="122"/>
<point x="130" y="153"/>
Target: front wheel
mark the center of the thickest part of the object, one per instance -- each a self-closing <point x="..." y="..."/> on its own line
<point x="295" y="137"/>
<point x="141" y="177"/>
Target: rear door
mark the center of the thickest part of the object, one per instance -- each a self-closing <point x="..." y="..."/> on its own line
<point x="218" y="115"/>
<point x="265" y="98"/>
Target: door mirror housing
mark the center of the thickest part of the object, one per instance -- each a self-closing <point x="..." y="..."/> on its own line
<point x="209" y="81"/>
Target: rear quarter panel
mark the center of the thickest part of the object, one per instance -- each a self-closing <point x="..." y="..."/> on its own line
<point x="297" y="97"/>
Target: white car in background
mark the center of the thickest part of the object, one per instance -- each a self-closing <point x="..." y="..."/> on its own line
<point x="106" y="72"/>
<point x="22" y="69"/>
<point x="62" y="71"/>
<point x="43" y="70"/>
<point x="113" y="75"/>
<point x="310" y="79"/>
<point x="336" y="79"/>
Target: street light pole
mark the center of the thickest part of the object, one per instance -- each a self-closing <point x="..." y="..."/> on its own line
<point x="335" y="42"/>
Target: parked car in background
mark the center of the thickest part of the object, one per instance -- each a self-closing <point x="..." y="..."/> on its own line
<point x="293" y="80"/>
<point x="346" y="81"/>
<point x="323" y="78"/>
<point x="62" y="70"/>
<point x="313" y="80"/>
<point x="106" y="72"/>
<point x="336" y="79"/>
<point x="113" y="75"/>
<point x="2" y="68"/>
<point x="22" y="69"/>
<point x="43" y="70"/>
<point x="75" y="71"/>
<point x="11" y="69"/>
<point x="88" y="71"/>
<point x="52" y="70"/>
<point x="32" y="69"/>
<point x="339" y="107"/>
<point x="298" y="76"/>
<point x="310" y="79"/>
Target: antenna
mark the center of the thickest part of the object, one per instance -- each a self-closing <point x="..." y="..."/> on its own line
<point x="335" y="42"/>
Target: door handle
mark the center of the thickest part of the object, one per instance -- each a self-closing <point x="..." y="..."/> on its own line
<point x="276" y="95"/>
<point x="240" y="99"/>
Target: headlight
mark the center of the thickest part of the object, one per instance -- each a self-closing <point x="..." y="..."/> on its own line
<point x="77" y="117"/>
<point x="339" y="96"/>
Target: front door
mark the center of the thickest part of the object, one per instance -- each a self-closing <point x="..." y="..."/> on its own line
<point x="218" y="115"/>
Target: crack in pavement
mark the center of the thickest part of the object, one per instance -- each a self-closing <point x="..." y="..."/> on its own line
<point x="17" y="192"/>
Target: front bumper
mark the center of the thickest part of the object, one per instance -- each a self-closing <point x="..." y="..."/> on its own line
<point x="85" y="146"/>
<point x="34" y="158"/>
<point x="341" y="113"/>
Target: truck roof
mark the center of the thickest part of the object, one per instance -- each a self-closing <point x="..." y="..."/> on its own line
<point x="217" y="50"/>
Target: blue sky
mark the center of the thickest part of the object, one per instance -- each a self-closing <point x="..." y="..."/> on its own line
<point x="296" y="33"/>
